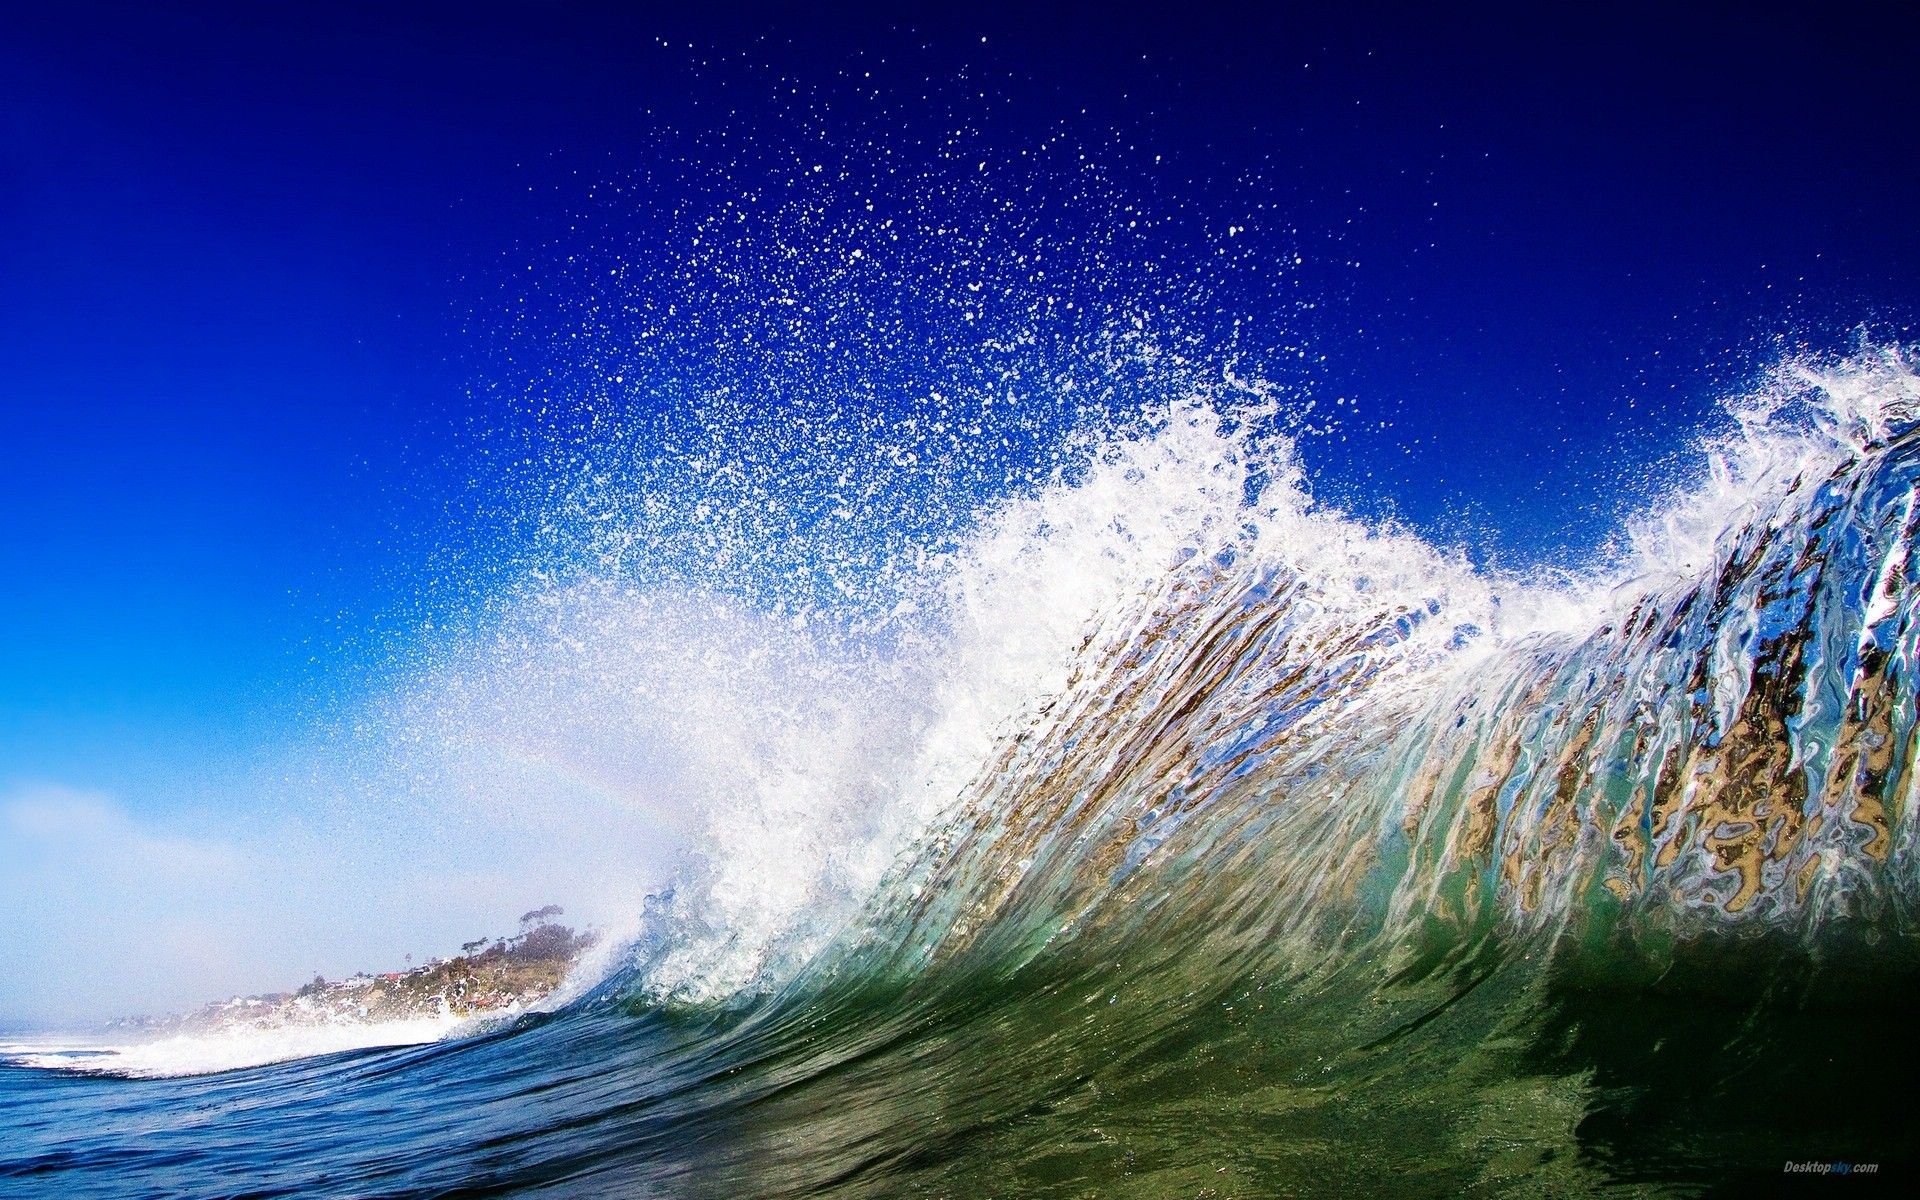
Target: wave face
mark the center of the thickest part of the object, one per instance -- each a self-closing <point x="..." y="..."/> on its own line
<point x="1303" y="725"/>
<point x="1186" y="837"/>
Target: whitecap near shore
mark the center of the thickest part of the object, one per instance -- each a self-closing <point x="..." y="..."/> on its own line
<point x="207" y="1053"/>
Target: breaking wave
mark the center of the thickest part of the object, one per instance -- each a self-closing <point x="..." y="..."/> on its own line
<point x="1175" y="692"/>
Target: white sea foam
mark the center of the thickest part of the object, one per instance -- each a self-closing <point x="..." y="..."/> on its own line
<point x="221" y="1050"/>
<point x="1794" y="427"/>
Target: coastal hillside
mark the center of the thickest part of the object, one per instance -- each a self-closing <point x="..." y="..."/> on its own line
<point x="490" y="975"/>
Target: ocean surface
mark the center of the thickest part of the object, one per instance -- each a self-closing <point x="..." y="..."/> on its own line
<point x="1287" y="855"/>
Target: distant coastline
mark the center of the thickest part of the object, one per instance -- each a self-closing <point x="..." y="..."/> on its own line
<point x="491" y="975"/>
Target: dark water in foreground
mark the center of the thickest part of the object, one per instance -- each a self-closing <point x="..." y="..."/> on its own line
<point x="1477" y="1075"/>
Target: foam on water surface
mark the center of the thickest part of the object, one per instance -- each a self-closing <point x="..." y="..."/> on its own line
<point x="215" y="1051"/>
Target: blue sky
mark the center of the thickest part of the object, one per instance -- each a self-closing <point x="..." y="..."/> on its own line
<point x="258" y="289"/>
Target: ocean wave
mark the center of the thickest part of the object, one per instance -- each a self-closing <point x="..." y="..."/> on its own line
<point x="1178" y="685"/>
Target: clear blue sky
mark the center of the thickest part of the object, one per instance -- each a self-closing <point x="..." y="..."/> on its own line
<point x="251" y="262"/>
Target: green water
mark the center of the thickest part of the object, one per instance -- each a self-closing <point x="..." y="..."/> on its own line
<point x="1485" y="1070"/>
